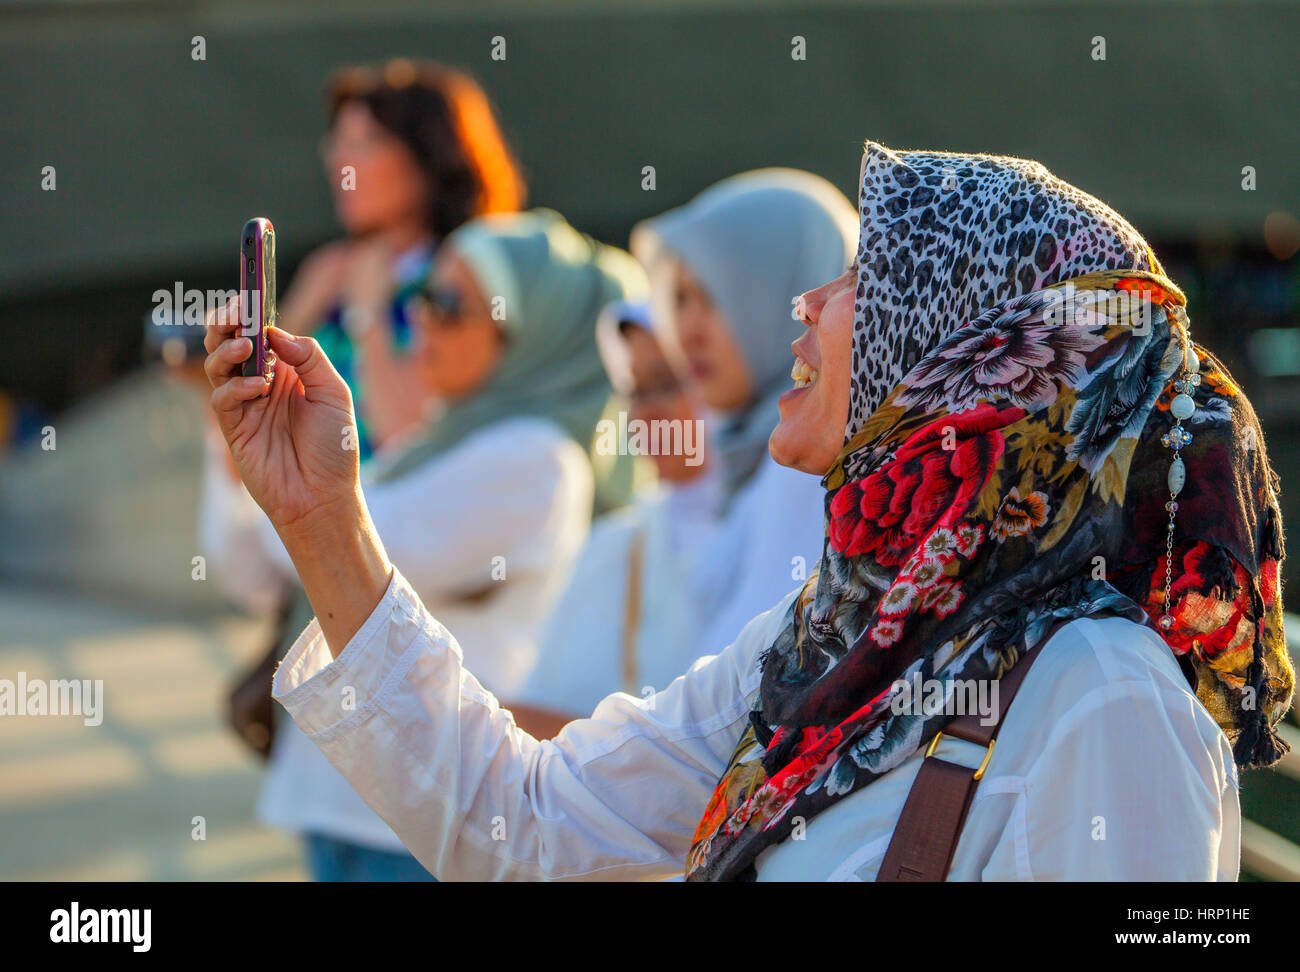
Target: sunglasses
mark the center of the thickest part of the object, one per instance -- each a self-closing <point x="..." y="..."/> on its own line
<point x="446" y="306"/>
<point x="663" y="390"/>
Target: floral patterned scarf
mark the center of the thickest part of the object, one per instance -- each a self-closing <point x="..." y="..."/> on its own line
<point x="1017" y="475"/>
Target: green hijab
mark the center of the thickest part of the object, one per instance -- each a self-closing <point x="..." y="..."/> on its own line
<point x="550" y="283"/>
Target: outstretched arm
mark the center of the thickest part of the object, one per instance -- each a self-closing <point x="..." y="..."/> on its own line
<point x="614" y="796"/>
<point x="380" y="685"/>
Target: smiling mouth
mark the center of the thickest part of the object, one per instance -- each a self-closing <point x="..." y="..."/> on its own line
<point x="804" y="374"/>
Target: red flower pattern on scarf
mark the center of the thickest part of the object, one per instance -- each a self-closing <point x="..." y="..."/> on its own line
<point x="932" y="480"/>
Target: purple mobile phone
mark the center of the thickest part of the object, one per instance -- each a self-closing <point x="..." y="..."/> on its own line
<point x="257" y="294"/>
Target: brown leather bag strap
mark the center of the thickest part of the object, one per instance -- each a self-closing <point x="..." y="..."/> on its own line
<point x="930" y="825"/>
<point x="630" y="635"/>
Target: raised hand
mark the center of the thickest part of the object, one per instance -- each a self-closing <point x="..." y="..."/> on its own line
<point x="294" y="440"/>
<point x="294" y="444"/>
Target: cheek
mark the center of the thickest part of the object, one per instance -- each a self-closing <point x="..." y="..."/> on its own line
<point x="684" y="327"/>
<point x="382" y="180"/>
<point x="436" y="362"/>
<point x="384" y="186"/>
<point x="403" y="179"/>
<point x="426" y="363"/>
<point x="363" y="206"/>
<point x="835" y="337"/>
<point x="468" y="358"/>
<point x="840" y="374"/>
<point x="835" y="342"/>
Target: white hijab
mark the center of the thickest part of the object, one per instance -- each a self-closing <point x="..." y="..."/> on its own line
<point x="755" y="241"/>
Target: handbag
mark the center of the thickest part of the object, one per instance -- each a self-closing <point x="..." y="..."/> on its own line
<point x="250" y="710"/>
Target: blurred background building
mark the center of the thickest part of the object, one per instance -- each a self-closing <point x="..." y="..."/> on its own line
<point x="1179" y="114"/>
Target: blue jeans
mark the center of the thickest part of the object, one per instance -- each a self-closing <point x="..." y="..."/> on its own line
<point x="330" y="859"/>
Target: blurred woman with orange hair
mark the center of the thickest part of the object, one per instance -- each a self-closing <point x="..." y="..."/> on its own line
<point x="413" y="151"/>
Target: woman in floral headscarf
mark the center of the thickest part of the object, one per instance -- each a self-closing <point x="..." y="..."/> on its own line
<point x="1023" y="451"/>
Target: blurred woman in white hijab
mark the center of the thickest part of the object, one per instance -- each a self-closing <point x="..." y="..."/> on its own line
<point x="722" y="268"/>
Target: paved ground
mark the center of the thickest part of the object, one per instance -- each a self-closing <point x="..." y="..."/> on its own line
<point x="117" y="801"/>
<point x="112" y="510"/>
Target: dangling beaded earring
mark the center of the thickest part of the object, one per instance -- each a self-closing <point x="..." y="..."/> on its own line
<point x="1180" y="408"/>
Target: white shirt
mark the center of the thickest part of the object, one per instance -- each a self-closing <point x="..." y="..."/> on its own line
<point x="768" y="542"/>
<point x="1107" y="766"/>
<point x="702" y="577"/>
<point x="489" y="556"/>
<point x="581" y="649"/>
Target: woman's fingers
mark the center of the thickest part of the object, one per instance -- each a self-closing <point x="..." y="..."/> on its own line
<point x="308" y="361"/>
<point x="221" y="323"/>
<point x="292" y="349"/>
<point x="229" y="398"/>
<point x="224" y="362"/>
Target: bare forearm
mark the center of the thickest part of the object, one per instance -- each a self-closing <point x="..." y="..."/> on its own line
<point x="342" y="565"/>
<point x="539" y="721"/>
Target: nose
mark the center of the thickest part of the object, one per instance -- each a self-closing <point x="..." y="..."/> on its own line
<point x="422" y="334"/>
<point x="689" y="327"/>
<point x="808" y="306"/>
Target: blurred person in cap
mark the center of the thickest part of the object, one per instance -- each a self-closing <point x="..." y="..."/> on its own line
<point x="486" y="507"/>
<point x="624" y="620"/>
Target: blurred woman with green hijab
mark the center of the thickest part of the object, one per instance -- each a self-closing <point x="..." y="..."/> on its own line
<point x="485" y="507"/>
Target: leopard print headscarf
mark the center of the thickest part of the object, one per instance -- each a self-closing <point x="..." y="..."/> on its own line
<point x="945" y="236"/>
<point x="1018" y="356"/>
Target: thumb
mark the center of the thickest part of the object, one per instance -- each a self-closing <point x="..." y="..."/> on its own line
<point x="305" y="356"/>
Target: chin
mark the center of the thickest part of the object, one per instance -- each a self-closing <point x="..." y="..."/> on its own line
<point x="671" y="472"/>
<point x="357" y="222"/>
<point x="789" y="448"/>
<point x="784" y="447"/>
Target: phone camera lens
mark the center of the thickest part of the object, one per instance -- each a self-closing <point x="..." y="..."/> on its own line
<point x="248" y="241"/>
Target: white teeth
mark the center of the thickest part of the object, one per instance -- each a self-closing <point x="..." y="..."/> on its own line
<point x="799" y="310"/>
<point x="803" y="374"/>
